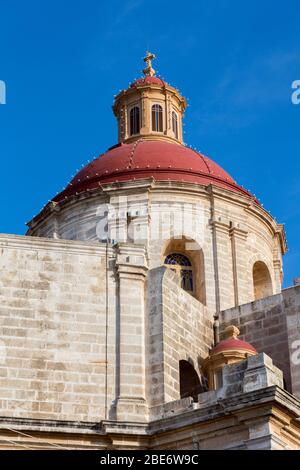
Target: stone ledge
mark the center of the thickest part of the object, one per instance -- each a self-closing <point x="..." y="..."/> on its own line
<point x="28" y="242"/>
<point x="262" y="400"/>
<point x="238" y="413"/>
<point x="41" y="425"/>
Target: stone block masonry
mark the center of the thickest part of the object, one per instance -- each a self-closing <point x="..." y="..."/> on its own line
<point x="180" y="328"/>
<point x="57" y="352"/>
<point x="272" y="325"/>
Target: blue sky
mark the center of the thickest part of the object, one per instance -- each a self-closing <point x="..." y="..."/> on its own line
<point x="62" y="63"/>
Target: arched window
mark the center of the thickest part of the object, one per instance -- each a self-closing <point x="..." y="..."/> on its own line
<point x="182" y="265"/>
<point x="157" y="118"/>
<point x="175" y="124"/>
<point x="262" y="283"/>
<point x="134" y="120"/>
<point x="190" y="385"/>
<point x="195" y="256"/>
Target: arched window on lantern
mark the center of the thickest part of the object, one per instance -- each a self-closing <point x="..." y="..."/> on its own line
<point x="157" y="118"/>
<point x="134" y="120"/>
<point x="182" y="266"/>
<point x="175" y="124"/>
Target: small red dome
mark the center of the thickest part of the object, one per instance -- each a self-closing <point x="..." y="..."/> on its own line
<point x="232" y="344"/>
<point x="148" y="80"/>
<point x="158" y="159"/>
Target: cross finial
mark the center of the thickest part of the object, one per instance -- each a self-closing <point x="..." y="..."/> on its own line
<point x="149" y="71"/>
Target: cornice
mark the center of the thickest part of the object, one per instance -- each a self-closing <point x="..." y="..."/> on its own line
<point x="220" y="225"/>
<point x="71" y="246"/>
<point x="141" y="88"/>
<point x="239" y="231"/>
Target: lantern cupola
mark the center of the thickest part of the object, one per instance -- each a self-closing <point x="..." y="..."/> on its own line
<point x="149" y="109"/>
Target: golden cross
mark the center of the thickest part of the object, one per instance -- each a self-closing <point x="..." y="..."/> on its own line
<point x="149" y="71"/>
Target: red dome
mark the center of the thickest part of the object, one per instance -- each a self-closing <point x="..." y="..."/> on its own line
<point x="233" y="344"/>
<point x="150" y="158"/>
<point x="148" y="79"/>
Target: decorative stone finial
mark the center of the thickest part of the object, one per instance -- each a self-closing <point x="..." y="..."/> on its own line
<point x="297" y="281"/>
<point x="232" y="332"/>
<point x="149" y="71"/>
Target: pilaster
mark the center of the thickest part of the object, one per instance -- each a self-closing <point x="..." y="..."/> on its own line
<point x="117" y="219"/>
<point x="132" y="270"/>
<point x="277" y="264"/>
<point x="238" y="235"/>
<point x="222" y="263"/>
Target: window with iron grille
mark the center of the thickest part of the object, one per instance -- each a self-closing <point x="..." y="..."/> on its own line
<point x="181" y="265"/>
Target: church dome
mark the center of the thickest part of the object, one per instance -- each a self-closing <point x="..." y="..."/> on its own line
<point x="233" y="344"/>
<point x="144" y="158"/>
<point x="150" y="143"/>
<point x="148" y="80"/>
<point x="151" y="189"/>
<point x="229" y="351"/>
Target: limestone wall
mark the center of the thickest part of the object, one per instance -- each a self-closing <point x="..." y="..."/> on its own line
<point x="230" y="231"/>
<point x="76" y="340"/>
<point x="250" y="411"/>
<point x="57" y="320"/>
<point x="272" y="325"/>
<point x="186" y="334"/>
<point x="77" y="343"/>
<point x="291" y="303"/>
<point x="231" y="235"/>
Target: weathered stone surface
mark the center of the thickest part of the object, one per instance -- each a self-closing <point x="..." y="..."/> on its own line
<point x="185" y="333"/>
<point x="272" y="325"/>
<point x="56" y="298"/>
